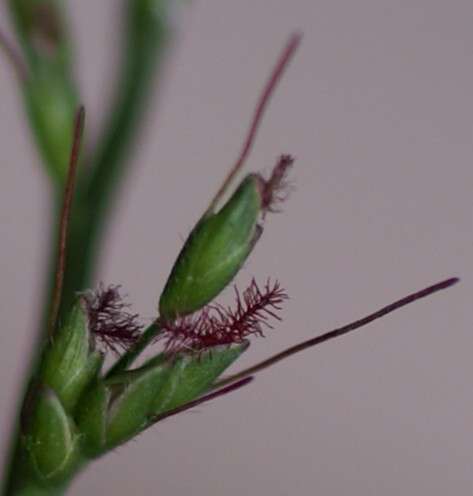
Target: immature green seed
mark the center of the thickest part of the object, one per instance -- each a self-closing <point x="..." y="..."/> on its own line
<point x="214" y="252"/>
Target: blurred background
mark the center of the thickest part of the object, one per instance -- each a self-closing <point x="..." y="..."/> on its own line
<point x="377" y="108"/>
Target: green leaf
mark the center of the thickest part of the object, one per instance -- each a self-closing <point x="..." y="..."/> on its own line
<point x="49" y="87"/>
<point x="52" y="102"/>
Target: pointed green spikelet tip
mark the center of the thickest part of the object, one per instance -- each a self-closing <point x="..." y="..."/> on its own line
<point x="220" y="243"/>
<point x="70" y="361"/>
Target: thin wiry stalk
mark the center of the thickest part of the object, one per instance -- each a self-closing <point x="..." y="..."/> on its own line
<point x="64" y="220"/>
<point x="282" y="63"/>
<point x="340" y="331"/>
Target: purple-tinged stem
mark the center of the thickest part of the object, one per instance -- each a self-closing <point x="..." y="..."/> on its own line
<point x="283" y="61"/>
<point x="64" y="219"/>
<point x="338" y="332"/>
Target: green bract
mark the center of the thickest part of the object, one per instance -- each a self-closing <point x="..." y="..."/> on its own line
<point x="214" y="252"/>
<point x="192" y="375"/>
<point x="116" y="409"/>
<point x="129" y="413"/>
<point x="51" y="440"/>
<point x="70" y="363"/>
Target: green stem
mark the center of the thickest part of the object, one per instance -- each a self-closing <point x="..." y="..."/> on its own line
<point x="145" y="43"/>
<point x="132" y="354"/>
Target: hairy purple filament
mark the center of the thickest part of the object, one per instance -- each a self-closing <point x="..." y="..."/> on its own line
<point x="220" y="325"/>
<point x="110" y="321"/>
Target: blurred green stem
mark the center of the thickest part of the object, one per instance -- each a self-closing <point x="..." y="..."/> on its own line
<point x="145" y="39"/>
<point x="145" y="43"/>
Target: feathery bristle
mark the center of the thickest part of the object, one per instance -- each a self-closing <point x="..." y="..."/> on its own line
<point x="110" y="321"/>
<point x="219" y="325"/>
<point x="276" y="189"/>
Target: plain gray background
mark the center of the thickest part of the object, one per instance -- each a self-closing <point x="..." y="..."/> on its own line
<point x="377" y="107"/>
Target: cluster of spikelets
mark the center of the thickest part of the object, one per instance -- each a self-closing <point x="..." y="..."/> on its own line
<point x="80" y="412"/>
<point x="75" y="411"/>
